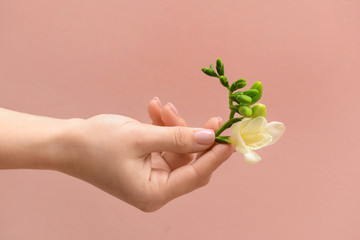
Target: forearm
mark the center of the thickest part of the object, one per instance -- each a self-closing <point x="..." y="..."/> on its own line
<point x="33" y="142"/>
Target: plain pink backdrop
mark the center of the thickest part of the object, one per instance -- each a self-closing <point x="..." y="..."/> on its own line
<point x="85" y="57"/>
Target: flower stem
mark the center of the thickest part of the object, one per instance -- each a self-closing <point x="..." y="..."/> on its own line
<point x="227" y="125"/>
<point x="232" y="114"/>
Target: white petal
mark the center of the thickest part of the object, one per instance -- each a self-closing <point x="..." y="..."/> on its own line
<point x="239" y="143"/>
<point x="236" y="127"/>
<point x="255" y="126"/>
<point x="258" y="141"/>
<point x="251" y="157"/>
<point x="236" y="138"/>
<point x="275" y="130"/>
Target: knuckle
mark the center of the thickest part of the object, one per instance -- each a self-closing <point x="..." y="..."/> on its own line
<point x="138" y="142"/>
<point x="180" y="137"/>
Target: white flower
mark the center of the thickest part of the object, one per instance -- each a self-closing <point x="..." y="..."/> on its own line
<point x="252" y="134"/>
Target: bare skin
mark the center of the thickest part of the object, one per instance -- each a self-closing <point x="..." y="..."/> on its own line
<point x="142" y="164"/>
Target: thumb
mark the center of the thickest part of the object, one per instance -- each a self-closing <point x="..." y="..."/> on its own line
<point x="174" y="139"/>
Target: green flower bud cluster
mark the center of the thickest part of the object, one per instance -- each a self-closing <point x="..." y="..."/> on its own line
<point x="240" y="101"/>
<point x="219" y="72"/>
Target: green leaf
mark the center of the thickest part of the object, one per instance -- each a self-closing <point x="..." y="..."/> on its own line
<point x="223" y="139"/>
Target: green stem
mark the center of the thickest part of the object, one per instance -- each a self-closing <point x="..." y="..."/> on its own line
<point x="227" y="125"/>
<point x="232" y="114"/>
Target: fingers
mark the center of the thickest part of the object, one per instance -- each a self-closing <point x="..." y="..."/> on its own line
<point x="170" y="116"/>
<point x="154" y="110"/>
<point x="166" y="115"/>
<point x="150" y="138"/>
<point x="213" y="123"/>
<point x="190" y="177"/>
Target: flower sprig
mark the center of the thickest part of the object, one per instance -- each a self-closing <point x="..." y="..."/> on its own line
<point x="249" y="131"/>
<point x="239" y="101"/>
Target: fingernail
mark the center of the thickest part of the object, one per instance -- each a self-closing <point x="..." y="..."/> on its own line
<point x="173" y="108"/>
<point x="220" y="121"/>
<point x="157" y="100"/>
<point x="204" y="137"/>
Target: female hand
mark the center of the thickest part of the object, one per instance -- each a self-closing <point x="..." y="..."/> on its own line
<point x="142" y="164"/>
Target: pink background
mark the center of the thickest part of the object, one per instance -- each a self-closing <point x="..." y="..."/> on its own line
<point x="81" y="58"/>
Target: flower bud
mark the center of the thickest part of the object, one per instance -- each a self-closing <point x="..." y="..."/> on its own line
<point x="258" y="110"/>
<point x="245" y="111"/>
<point x="224" y="81"/>
<point x="219" y="67"/>
<point x="237" y="85"/>
<point x="251" y="92"/>
<point x="243" y="98"/>
<point x="209" y="72"/>
<point x="258" y="86"/>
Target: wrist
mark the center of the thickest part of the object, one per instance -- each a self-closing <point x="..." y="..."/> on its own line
<point x="64" y="145"/>
<point x="35" y="142"/>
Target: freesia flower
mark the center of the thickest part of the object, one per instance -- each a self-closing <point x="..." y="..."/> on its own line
<point x="250" y="131"/>
<point x="254" y="133"/>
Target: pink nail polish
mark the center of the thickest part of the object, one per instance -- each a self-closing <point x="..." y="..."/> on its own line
<point x="173" y="108"/>
<point x="205" y="137"/>
<point x="157" y="100"/>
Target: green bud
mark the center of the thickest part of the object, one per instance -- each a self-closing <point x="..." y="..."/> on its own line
<point x="251" y="92"/>
<point x="258" y="110"/>
<point x="241" y="98"/>
<point x="258" y="86"/>
<point x="245" y="111"/>
<point x="237" y="85"/>
<point x="209" y="72"/>
<point x="219" y="67"/>
<point x="224" y="81"/>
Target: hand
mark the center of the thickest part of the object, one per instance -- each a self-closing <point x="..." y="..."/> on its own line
<point x="142" y="164"/>
<point x="168" y="116"/>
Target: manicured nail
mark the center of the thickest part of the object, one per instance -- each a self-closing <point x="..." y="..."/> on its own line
<point x="205" y="137"/>
<point x="220" y="121"/>
<point x="157" y="100"/>
<point x="173" y="108"/>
